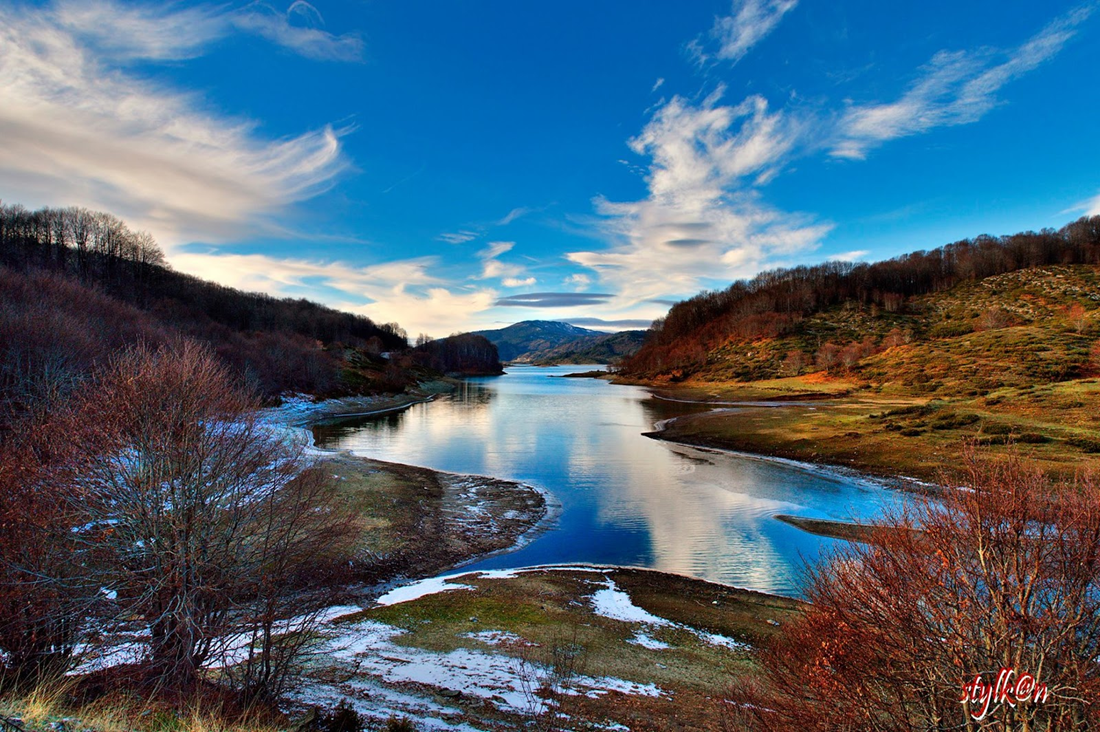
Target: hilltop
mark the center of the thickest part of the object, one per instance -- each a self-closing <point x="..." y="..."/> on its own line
<point x="516" y="341"/>
<point x="547" y="342"/>
<point x="994" y="340"/>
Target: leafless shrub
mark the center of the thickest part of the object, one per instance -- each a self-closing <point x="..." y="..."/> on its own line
<point x="546" y="673"/>
<point x="995" y="318"/>
<point x="1077" y="317"/>
<point x="1002" y="573"/>
<point x="203" y="519"/>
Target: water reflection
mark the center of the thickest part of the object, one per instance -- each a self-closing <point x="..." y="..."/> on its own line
<point x="626" y="499"/>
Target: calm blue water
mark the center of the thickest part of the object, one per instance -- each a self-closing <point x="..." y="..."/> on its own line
<point x="626" y="499"/>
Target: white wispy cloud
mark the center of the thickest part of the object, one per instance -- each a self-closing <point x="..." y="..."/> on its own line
<point x="496" y="248"/>
<point x="475" y="230"/>
<point x="264" y="272"/>
<point x="953" y="88"/>
<point x="703" y="220"/>
<point x="76" y="127"/>
<point x="515" y="213"/>
<point x="514" y="282"/>
<point x="748" y="23"/>
<point x="493" y="268"/>
<point x="458" y="237"/>
<point x="298" y="30"/>
<point x="1093" y="207"/>
<point x="164" y="31"/>
<point x="403" y="291"/>
<point x="131" y="31"/>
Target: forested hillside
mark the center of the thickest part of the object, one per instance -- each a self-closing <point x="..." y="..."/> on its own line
<point x="870" y="318"/>
<point x="465" y="353"/>
<point x="79" y="284"/>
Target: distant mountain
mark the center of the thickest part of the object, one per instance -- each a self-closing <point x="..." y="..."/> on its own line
<point x="606" y="348"/>
<point x="519" y="339"/>
<point x="551" y="341"/>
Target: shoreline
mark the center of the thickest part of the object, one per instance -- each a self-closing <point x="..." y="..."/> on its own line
<point x="907" y="438"/>
<point x="551" y="508"/>
<point x="446" y="520"/>
<point x="754" y="437"/>
<point x="829" y="470"/>
<point x="656" y="638"/>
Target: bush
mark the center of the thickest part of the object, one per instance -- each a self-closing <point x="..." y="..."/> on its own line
<point x="1004" y="573"/>
<point x="341" y="719"/>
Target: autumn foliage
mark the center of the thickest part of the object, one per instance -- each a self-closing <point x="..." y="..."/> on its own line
<point x="78" y="281"/>
<point x="152" y="508"/>
<point x="1000" y="572"/>
<point x="775" y="303"/>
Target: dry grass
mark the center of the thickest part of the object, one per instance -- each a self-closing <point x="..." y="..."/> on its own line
<point x="1056" y="426"/>
<point x="53" y="701"/>
<point x="414" y="522"/>
<point x="546" y="611"/>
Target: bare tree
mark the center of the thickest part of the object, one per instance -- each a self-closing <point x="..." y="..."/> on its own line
<point x="827" y="356"/>
<point x="793" y="364"/>
<point x="201" y="513"/>
<point x="1077" y="317"/>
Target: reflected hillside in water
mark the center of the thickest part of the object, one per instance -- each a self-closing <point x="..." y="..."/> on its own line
<point x="626" y="499"/>
<point x="471" y="394"/>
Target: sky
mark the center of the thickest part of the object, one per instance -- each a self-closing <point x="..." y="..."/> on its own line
<point x="452" y="166"/>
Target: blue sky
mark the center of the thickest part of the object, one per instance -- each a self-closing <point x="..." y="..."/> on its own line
<point x="460" y="165"/>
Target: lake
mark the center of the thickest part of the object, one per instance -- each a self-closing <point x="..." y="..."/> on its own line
<point x="625" y="499"/>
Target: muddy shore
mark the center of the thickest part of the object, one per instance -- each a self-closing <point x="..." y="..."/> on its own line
<point x="415" y="522"/>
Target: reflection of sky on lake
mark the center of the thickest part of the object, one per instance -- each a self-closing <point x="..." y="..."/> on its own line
<point x="626" y="499"/>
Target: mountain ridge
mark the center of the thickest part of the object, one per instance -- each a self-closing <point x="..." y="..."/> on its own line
<point x="546" y="342"/>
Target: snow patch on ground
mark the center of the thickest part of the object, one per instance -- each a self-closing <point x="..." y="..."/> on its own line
<point x="337" y="611"/>
<point x="422" y="588"/>
<point x="370" y="649"/>
<point x="416" y="590"/>
<point x="496" y="637"/>
<point x="611" y="602"/>
<point x="379" y="702"/>
<point x="603" y="684"/>
<point x="499" y="574"/>
<point x="717" y="639"/>
<point x="645" y="641"/>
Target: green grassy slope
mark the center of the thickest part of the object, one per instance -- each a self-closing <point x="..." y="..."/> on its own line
<point x="1033" y="326"/>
